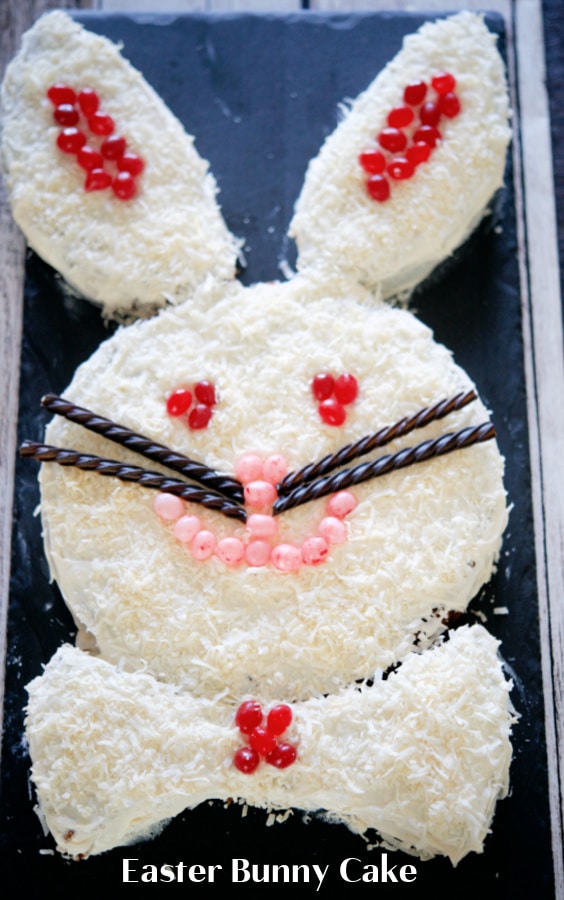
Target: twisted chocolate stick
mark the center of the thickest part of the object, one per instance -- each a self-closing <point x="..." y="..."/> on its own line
<point x="120" y="434"/>
<point x="368" y="443"/>
<point x="363" y="472"/>
<point x="88" y="462"/>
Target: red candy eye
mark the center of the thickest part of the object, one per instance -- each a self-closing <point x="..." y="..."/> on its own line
<point x="333" y="394"/>
<point x="179" y="402"/>
<point x="199" y="416"/>
<point x="346" y="388"/>
<point x="205" y="393"/>
<point x="323" y="386"/>
<point x="332" y="412"/>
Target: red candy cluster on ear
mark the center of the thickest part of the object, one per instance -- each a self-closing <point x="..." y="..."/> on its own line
<point x="263" y="737"/>
<point x="410" y="135"/>
<point x="105" y="158"/>
<point x="333" y="394"/>
<point x="195" y="403"/>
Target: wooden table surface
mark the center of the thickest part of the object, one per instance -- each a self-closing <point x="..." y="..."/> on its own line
<point x="536" y="39"/>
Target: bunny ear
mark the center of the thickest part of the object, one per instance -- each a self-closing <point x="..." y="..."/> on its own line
<point x="131" y="221"/>
<point x="387" y="199"/>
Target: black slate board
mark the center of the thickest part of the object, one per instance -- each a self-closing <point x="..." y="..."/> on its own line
<point x="260" y="93"/>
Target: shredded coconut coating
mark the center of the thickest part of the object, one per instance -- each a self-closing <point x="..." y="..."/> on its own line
<point x="421" y="541"/>
<point x="392" y="246"/>
<point x="135" y="254"/>
<point x="421" y="757"/>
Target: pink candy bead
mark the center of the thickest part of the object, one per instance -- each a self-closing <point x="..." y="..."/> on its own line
<point x="249" y="468"/>
<point x="333" y="530"/>
<point x="185" y="528"/>
<point x="257" y="553"/>
<point x="260" y="493"/>
<point x="286" y="557"/>
<point x="261" y="525"/>
<point x="230" y="550"/>
<point x="275" y="467"/>
<point x="168" y="507"/>
<point x="315" y="550"/>
<point x="341" y="504"/>
<point x="203" y="545"/>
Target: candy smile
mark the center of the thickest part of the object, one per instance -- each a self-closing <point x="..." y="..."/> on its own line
<point x="258" y="544"/>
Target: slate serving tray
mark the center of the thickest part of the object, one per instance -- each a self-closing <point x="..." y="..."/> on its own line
<point x="260" y="93"/>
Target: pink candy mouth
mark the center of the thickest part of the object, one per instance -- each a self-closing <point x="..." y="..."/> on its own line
<point x="258" y="546"/>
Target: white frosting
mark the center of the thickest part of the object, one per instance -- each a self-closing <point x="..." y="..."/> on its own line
<point x="178" y="643"/>
<point x="140" y="253"/>
<point x="392" y="246"/>
<point x="422" y="538"/>
<point x="422" y="757"/>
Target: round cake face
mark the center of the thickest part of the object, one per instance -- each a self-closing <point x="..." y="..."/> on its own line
<point x="292" y="605"/>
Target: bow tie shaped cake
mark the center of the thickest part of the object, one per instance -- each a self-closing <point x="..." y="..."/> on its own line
<point x="265" y="506"/>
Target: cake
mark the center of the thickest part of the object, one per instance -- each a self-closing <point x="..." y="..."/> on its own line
<point x="241" y="558"/>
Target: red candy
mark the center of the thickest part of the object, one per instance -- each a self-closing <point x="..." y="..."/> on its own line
<point x="89" y="158"/>
<point x="69" y="108"/>
<point x="61" y="93"/>
<point x="246" y="760"/>
<point x="333" y="394"/>
<point x="179" y="403"/>
<point x="205" y="392"/>
<point x="414" y="94"/>
<point x="70" y="140"/>
<point x="124" y="186"/>
<point x="199" y="416"/>
<point x="323" y="386"/>
<point x="97" y="180"/>
<point x="410" y="134"/>
<point x="279" y="719"/>
<point x="262" y="738"/>
<point x="392" y="139"/>
<point x="66" y="114"/>
<point x="88" y="101"/>
<point x="248" y="716"/>
<point x="346" y="388"/>
<point x="372" y="161"/>
<point x="282" y="756"/>
<point x="378" y="187"/>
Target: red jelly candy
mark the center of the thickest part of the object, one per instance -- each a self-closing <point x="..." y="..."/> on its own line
<point x="332" y="412"/>
<point x="262" y="740"/>
<point x="100" y="123"/>
<point x="70" y="140"/>
<point x="414" y="93"/>
<point x="392" y="139"/>
<point x="205" y="393"/>
<point x="179" y="402"/>
<point x="323" y="386"/>
<point x="378" y="187"/>
<point x="88" y="101"/>
<point x="123" y="186"/>
<point x="282" y="756"/>
<point x="66" y="115"/>
<point x="97" y="180"/>
<point x="61" y="93"/>
<point x="278" y="719"/>
<point x="372" y="161"/>
<point x="400" y="117"/>
<point x="248" y="716"/>
<point x="346" y="388"/>
<point x="246" y="760"/>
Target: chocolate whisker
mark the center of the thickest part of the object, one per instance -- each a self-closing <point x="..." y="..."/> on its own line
<point x="120" y="434"/>
<point x="371" y="441"/>
<point x="329" y="484"/>
<point x="144" y="477"/>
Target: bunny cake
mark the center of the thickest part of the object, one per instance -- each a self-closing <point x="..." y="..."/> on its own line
<point x="265" y="505"/>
